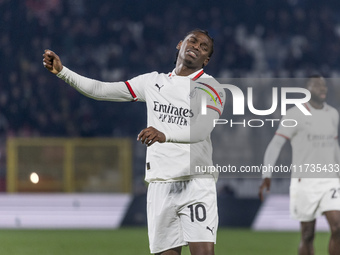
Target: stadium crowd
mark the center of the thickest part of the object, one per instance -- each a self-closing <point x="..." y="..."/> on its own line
<point x="117" y="40"/>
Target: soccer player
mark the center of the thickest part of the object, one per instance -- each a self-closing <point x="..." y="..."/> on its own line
<point x="181" y="202"/>
<point x="315" y="186"/>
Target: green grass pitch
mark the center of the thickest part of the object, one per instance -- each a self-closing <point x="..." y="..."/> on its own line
<point x="133" y="241"/>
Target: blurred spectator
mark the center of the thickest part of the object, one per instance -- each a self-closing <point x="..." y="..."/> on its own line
<point x="115" y="41"/>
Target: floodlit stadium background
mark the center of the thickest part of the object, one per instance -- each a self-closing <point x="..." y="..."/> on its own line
<point x="48" y="128"/>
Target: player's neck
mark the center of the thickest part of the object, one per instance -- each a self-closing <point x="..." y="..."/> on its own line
<point x="183" y="70"/>
<point x="316" y="105"/>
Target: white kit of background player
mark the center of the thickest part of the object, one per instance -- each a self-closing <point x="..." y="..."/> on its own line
<point x="315" y="172"/>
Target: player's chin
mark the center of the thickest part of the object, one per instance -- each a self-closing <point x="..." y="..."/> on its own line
<point x="193" y="62"/>
<point x="322" y="98"/>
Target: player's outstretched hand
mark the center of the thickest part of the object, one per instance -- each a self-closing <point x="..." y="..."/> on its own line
<point x="52" y="62"/>
<point x="264" y="186"/>
<point x="150" y="135"/>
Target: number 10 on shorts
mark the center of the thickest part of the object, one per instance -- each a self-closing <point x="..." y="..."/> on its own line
<point x="197" y="212"/>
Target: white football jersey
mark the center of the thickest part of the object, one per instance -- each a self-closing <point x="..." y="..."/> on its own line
<point x="173" y="103"/>
<point x="314" y="143"/>
<point x="174" y="106"/>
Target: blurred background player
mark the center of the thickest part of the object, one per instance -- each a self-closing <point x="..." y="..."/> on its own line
<point x="181" y="204"/>
<point x="315" y="187"/>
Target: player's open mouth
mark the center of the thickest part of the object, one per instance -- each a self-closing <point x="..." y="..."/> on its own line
<point x="192" y="54"/>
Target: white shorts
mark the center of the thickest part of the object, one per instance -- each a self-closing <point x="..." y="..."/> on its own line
<point x="181" y="212"/>
<point x="307" y="202"/>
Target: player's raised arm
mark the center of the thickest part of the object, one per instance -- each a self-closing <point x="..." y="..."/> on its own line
<point x="109" y="91"/>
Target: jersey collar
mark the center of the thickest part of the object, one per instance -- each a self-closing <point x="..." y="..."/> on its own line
<point x="309" y="107"/>
<point x="194" y="76"/>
